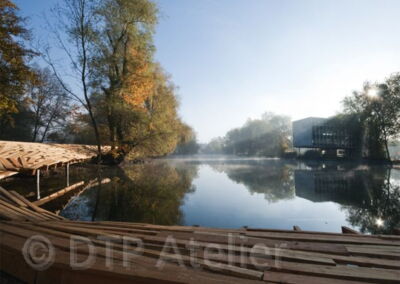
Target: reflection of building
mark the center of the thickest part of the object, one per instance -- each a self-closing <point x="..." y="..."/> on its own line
<point x="328" y="185"/>
<point x="319" y="133"/>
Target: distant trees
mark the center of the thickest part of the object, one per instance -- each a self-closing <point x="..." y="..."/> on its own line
<point x="268" y="137"/>
<point x="48" y="102"/>
<point x="215" y="146"/>
<point x="377" y="107"/>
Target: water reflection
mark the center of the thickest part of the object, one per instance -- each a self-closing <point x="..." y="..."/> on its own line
<point x="273" y="180"/>
<point x="151" y="193"/>
<point x="370" y="197"/>
<point x="253" y="192"/>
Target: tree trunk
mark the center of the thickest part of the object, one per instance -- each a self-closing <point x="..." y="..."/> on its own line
<point x="83" y="38"/>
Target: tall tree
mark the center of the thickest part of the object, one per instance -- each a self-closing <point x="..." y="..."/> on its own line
<point x="75" y="19"/>
<point x="14" y="71"/>
<point x="124" y="56"/>
<point x="157" y="128"/>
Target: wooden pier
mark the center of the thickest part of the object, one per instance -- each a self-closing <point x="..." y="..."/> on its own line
<point x="221" y="255"/>
<point x="28" y="158"/>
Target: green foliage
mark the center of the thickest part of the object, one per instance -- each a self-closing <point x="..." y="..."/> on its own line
<point x="377" y="107"/>
<point x="159" y="129"/>
<point x="13" y="59"/>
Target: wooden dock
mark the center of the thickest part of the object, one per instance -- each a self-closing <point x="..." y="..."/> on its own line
<point x="221" y="255"/>
<point x="22" y="157"/>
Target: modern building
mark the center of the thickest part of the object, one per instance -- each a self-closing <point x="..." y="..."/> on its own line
<point x="322" y="135"/>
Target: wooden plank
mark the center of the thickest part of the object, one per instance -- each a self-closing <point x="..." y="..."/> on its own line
<point x="370" y="252"/>
<point x="15" y="162"/>
<point x="23" y="162"/>
<point x="5" y="174"/>
<point x="374" y="275"/>
<point x="319" y="238"/>
<point x="11" y="197"/>
<point x="291" y="254"/>
<point x="35" y="207"/>
<point x="27" y="214"/>
<point x="290" y="278"/>
<point x="27" y="202"/>
<point x="313" y="233"/>
<point x="222" y="268"/>
<point x="144" y="270"/>
<point x="58" y="193"/>
<point x="271" y="252"/>
<point x="15" y="265"/>
<point x="296" y="245"/>
<point x="7" y="165"/>
<point x="5" y="215"/>
<point x="8" y="213"/>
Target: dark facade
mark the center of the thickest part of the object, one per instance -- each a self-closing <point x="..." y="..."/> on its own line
<point x="319" y="134"/>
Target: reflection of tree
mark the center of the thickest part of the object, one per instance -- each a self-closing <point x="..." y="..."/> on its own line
<point x="382" y="213"/>
<point x="274" y="179"/>
<point x="149" y="193"/>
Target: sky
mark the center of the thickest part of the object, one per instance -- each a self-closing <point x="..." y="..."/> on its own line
<point x="236" y="59"/>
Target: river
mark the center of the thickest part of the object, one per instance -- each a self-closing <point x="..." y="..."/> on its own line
<point x="231" y="192"/>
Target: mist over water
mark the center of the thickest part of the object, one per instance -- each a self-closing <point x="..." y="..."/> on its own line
<point x="231" y="192"/>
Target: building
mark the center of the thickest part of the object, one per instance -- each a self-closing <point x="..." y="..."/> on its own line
<point x="323" y="136"/>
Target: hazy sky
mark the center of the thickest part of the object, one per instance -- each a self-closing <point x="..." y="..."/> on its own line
<point x="235" y="59"/>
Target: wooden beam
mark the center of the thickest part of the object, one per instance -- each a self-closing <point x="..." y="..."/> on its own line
<point x="57" y="194"/>
<point x="347" y="230"/>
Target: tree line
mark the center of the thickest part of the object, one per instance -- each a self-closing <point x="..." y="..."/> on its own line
<point x="371" y="115"/>
<point x="106" y="89"/>
<point x="268" y="136"/>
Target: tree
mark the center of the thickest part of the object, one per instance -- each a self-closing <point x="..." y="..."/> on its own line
<point x="49" y="103"/>
<point x="188" y="144"/>
<point x="18" y="126"/>
<point x="14" y="71"/>
<point x="215" y="146"/>
<point x="75" y="19"/>
<point x="157" y="129"/>
<point x="378" y="108"/>
<point x="123" y="59"/>
<point x="268" y="136"/>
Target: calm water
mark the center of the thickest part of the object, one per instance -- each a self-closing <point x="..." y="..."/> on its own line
<point x="235" y="192"/>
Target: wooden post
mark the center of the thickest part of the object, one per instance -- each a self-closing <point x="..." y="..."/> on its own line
<point x="38" y="184"/>
<point x="67" y="173"/>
